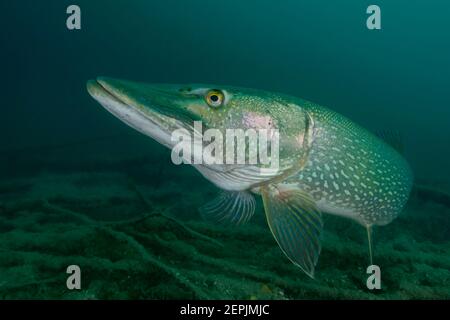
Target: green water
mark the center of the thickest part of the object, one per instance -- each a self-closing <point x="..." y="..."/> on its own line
<point x="77" y="186"/>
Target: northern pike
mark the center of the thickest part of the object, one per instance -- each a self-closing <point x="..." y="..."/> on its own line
<point x="327" y="163"/>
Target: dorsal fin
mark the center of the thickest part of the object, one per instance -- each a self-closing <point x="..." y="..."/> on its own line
<point x="393" y="138"/>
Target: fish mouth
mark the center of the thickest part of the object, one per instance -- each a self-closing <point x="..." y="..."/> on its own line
<point x="149" y="109"/>
<point x="100" y="91"/>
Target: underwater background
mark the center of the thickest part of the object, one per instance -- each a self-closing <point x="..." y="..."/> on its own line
<point x="77" y="186"/>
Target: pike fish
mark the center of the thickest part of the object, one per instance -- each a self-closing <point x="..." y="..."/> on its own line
<point x="327" y="163"/>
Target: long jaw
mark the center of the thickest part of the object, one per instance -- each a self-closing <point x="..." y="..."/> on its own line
<point x="122" y="99"/>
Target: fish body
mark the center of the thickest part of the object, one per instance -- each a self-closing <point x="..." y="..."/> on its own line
<point x="351" y="172"/>
<point x="327" y="163"/>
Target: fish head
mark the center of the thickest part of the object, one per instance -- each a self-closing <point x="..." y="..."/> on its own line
<point x="274" y="115"/>
<point x="157" y="110"/>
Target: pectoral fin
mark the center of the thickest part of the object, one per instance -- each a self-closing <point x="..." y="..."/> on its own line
<point x="230" y="207"/>
<point x="296" y="224"/>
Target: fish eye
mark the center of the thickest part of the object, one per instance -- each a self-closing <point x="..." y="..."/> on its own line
<point x="214" y="98"/>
